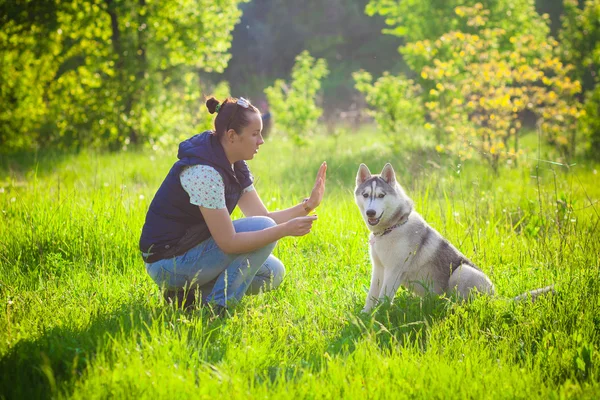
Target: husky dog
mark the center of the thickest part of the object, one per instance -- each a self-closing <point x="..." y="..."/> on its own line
<point x="405" y="250"/>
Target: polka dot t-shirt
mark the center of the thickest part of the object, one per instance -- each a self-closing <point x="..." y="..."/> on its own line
<point x="205" y="186"/>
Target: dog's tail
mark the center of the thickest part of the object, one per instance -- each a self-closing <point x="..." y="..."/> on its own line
<point x="534" y="294"/>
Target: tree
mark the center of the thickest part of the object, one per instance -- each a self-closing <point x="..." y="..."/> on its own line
<point x="580" y="39"/>
<point x="485" y="73"/>
<point x="483" y="83"/>
<point x="395" y="101"/>
<point x="273" y="32"/>
<point x="417" y="20"/>
<point x="293" y="105"/>
<point x="85" y="72"/>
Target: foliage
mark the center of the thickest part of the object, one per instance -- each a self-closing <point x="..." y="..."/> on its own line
<point x="486" y="74"/>
<point x="273" y="32"/>
<point x="580" y="40"/>
<point x="395" y="103"/>
<point x="294" y="104"/>
<point x="482" y="85"/>
<point x="416" y="20"/>
<point x="167" y="127"/>
<point x="83" y="73"/>
<point x="590" y="122"/>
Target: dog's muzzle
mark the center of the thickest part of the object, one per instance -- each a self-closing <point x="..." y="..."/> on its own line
<point x="374" y="220"/>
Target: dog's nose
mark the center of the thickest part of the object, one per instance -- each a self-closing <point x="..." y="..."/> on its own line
<point x="370" y="213"/>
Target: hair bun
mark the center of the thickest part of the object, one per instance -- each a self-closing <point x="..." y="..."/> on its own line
<point x="212" y="104"/>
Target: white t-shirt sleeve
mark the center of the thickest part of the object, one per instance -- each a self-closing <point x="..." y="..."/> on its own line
<point x="204" y="185"/>
<point x="248" y="189"/>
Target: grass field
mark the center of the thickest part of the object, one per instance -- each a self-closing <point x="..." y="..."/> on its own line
<point x="79" y="317"/>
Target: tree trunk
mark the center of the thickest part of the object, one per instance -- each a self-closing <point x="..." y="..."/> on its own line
<point x="115" y="35"/>
<point x="140" y="68"/>
<point x="120" y="65"/>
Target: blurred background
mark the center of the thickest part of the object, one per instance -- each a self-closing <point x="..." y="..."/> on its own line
<point x="473" y="77"/>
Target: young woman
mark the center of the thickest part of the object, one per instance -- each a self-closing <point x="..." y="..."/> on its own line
<point x="190" y="245"/>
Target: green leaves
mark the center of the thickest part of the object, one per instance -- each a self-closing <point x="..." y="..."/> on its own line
<point x="83" y="73"/>
<point x="394" y="102"/>
<point x="580" y="46"/>
<point x="480" y="71"/>
<point x="293" y="105"/>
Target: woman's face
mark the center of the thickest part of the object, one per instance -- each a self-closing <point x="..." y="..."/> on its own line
<point x="246" y="144"/>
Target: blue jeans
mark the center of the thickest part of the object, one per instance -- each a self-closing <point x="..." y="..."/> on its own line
<point x="222" y="278"/>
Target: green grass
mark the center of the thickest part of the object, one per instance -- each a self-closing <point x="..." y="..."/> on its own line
<point x="80" y="318"/>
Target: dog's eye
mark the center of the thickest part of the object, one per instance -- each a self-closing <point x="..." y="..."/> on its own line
<point x="365" y="195"/>
<point x="381" y="196"/>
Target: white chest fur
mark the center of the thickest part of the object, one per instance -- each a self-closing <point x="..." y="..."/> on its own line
<point x="399" y="254"/>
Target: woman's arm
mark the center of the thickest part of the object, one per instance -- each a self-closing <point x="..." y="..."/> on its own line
<point x="251" y="204"/>
<point x="221" y="228"/>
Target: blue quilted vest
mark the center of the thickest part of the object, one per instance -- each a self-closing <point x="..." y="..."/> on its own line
<point x="174" y="225"/>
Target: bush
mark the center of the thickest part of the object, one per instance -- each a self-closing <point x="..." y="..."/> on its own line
<point x="485" y="75"/>
<point x="169" y="120"/>
<point x="394" y="102"/>
<point x="580" y="40"/>
<point x="294" y="107"/>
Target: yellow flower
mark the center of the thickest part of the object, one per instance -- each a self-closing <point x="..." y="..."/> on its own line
<point x="431" y="105"/>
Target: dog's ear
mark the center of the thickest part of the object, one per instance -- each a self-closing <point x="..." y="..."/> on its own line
<point x="388" y="174"/>
<point x="363" y="174"/>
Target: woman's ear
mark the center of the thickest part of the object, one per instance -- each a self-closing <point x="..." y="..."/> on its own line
<point x="231" y="135"/>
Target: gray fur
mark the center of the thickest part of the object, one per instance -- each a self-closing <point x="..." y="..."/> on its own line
<point x="406" y="250"/>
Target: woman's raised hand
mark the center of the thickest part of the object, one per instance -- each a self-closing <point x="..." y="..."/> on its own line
<point x="319" y="189"/>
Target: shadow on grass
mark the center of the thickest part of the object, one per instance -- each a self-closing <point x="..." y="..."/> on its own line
<point x="51" y="364"/>
<point x="16" y="165"/>
<point x="405" y="322"/>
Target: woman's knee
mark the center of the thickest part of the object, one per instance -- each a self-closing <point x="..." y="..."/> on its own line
<point x="250" y="224"/>
<point x="263" y="222"/>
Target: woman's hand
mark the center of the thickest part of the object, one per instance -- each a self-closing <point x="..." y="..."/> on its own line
<point x="299" y="226"/>
<point x="319" y="189"/>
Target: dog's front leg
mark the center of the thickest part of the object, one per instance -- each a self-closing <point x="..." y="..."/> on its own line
<point x="391" y="283"/>
<point x="376" y="281"/>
